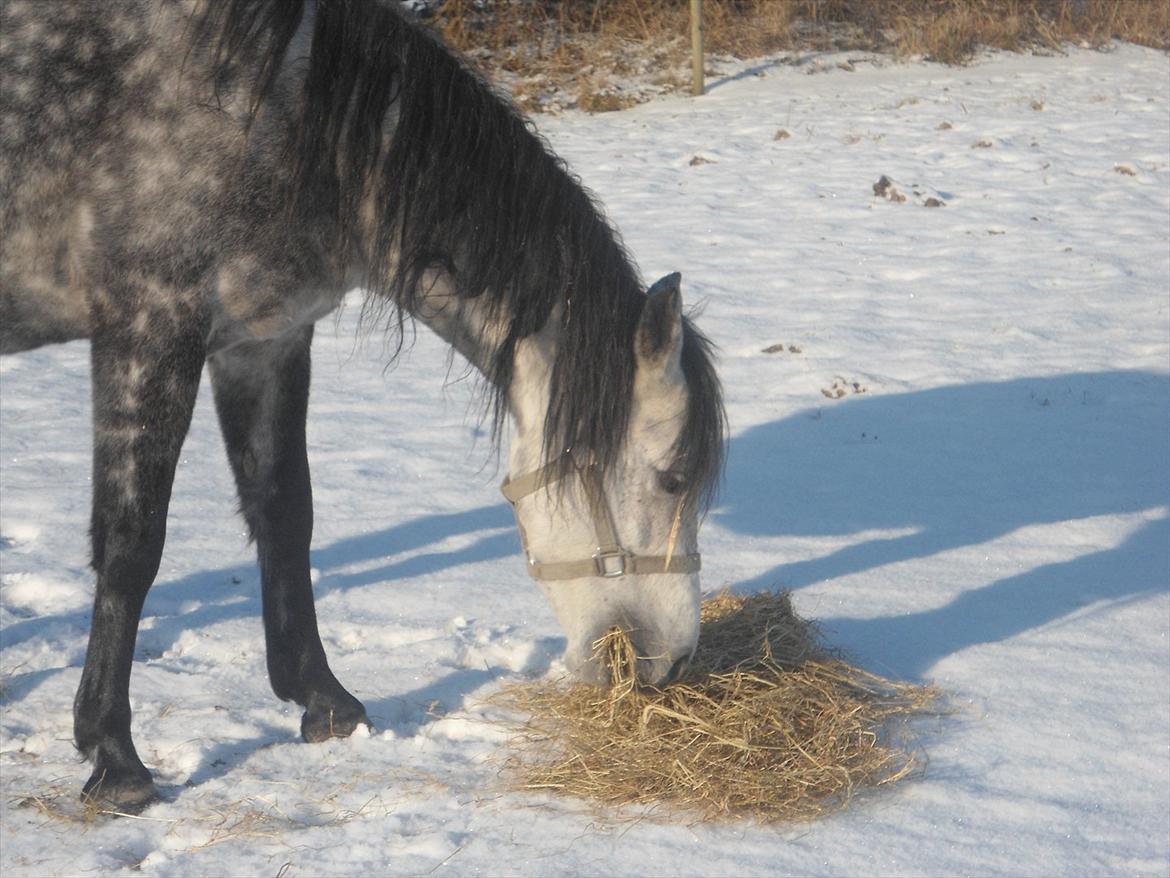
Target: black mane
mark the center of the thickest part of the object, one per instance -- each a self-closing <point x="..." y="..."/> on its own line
<point x="468" y="186"/>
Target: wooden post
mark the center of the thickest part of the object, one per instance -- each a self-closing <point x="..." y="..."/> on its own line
<point x="696" y="47"/>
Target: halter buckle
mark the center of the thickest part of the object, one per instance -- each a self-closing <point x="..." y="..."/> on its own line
<point x="611" y="564"/>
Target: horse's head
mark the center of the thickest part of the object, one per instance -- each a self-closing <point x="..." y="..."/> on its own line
<point x="617" y="546"/>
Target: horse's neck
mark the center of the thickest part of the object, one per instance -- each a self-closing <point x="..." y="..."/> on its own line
<point x="470" y="329"/>
<point x="463" y="323"/>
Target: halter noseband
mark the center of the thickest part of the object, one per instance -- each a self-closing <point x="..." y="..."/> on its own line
<point x="610" y="560"/>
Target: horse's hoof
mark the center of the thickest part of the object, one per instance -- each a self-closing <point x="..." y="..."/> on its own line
<point x="337" y="721"/>
<point x="120" y="792"/>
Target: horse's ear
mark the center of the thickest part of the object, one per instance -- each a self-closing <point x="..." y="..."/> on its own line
<point x="658" y="341"/>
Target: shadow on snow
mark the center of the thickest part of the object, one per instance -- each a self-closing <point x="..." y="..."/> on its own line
<point x="961" y="466"/>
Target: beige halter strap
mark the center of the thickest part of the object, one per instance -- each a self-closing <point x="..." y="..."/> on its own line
<point x="610" y="560"/>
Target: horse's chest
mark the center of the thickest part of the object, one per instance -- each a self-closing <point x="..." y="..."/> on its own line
<point x="253" y="302"/>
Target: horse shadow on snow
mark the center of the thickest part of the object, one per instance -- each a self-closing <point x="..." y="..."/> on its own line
<point x="961" y="466"/>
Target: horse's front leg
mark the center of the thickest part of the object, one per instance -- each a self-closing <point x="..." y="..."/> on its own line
<point x="261" y="394"/>
<point x="144" y="386"/>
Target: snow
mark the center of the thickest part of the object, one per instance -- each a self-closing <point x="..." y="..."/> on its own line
<point x="959" y="462"/>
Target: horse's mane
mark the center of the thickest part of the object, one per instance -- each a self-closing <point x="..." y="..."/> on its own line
<point x="466" y="185"/>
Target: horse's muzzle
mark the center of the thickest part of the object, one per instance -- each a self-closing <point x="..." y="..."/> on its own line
<point x="654" y="668"/>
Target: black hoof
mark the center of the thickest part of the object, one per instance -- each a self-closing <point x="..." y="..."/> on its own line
<point x="122" y="792"/>
<point x="322" y="722"/>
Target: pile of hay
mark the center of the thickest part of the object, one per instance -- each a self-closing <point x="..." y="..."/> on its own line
<point x="766" y="723"/>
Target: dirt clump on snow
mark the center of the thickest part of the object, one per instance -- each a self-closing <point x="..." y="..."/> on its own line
<point x="885" y="188"/>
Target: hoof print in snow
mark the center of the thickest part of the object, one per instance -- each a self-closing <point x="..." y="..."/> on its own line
<point x="885" y="188"/>
<point x="1125" y="170"/>
<point x="981" y="144"/>
<point x="943" y="126"/>
<point x="701" y="160"/>
<point x="780" y="348"/>
<point x="781" y="135"/>
<point x="841" y="388"/>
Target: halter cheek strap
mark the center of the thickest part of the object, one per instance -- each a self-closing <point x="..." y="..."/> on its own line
<point x="611" y="560"/>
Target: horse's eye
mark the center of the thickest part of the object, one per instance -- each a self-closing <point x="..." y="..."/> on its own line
<point x="671" y="483"/>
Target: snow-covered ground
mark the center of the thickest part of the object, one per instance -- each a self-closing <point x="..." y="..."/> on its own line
<point x="959" y="462"/>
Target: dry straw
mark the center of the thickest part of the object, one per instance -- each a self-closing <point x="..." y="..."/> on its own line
<point x="767" y="723"/>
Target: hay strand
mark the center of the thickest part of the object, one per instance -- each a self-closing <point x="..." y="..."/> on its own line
<point x="766" y="723"/>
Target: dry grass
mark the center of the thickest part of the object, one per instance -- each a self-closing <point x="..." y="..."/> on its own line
<point x="58" y="800"/>
<point x="581" y="46"/>
<point x="251" y="817"/>
<point x="951" y="31"/>
<point x="766" y="724"/>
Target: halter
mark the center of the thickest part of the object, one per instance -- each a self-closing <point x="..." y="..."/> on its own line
<point x="611" y="560"/>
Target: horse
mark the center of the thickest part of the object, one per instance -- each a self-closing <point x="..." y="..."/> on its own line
<point x="196" y="182"/>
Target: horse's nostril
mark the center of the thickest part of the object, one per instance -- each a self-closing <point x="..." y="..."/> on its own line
<point x="677" y="669"/>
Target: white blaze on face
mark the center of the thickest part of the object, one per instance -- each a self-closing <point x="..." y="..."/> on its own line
<point x="660" y="611"/>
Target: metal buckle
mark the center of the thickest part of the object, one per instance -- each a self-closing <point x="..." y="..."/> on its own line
<point x="610" y="565"/>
